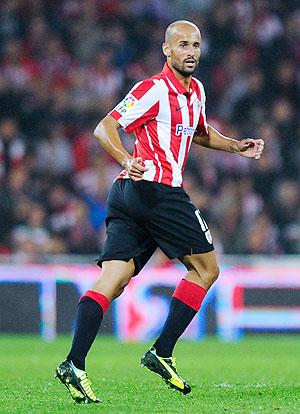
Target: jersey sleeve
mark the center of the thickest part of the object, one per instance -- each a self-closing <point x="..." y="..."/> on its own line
<point x="139" y="106"/>
<point x="202" y="124"/>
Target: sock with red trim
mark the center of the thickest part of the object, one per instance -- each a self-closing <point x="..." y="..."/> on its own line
<point x="91" y="309"/>
<point x="186" y="301"/>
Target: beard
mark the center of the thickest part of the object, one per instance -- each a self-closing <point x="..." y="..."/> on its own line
<point x="185" y="72"/>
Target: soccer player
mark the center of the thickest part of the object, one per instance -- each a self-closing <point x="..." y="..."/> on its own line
<point x="148" y="207"/>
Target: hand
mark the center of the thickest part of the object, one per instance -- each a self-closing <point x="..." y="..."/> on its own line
<point x="135" y="168"/>
<point x="251" y="148"/>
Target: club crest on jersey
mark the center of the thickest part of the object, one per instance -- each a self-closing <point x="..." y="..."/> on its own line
<point x="126" y="105"/>
<point x="183" y="130"/>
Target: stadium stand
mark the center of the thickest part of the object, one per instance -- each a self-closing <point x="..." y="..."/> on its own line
<point x="65" y="64"/>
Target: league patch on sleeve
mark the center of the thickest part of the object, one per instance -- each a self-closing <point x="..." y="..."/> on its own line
<point x="126" y="105"/>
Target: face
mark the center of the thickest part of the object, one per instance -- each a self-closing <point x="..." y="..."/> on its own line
<point x="183" y="50"/>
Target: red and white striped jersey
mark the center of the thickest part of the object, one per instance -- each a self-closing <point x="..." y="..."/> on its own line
<point x="163" y="116"/>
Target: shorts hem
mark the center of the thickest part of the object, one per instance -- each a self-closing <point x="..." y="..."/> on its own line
<point x="137" y="267"/>
<point x="190" y="252"/>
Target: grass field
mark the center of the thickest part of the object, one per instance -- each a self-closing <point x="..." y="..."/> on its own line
<point x="257" y="375"/>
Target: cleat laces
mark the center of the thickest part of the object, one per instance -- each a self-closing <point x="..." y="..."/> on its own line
<point x="172" y="363"/>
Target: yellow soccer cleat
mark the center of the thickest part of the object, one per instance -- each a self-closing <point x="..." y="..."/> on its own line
<point x="77" y="383"/>
<point x="166" y="368"/>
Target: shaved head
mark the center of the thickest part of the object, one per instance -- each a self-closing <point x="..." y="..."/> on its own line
<point x="178" y="27"/>
<point x="182" y="47"/>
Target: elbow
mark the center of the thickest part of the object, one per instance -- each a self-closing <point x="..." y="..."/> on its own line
<point x="98" y="132"/>
<point x="101" y="132"/>
<point x="105" y="128"/>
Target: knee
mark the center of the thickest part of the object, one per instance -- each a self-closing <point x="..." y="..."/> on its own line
<point x="213" y="273"/>
<point x="119" y="286"/>
<point x="115" y="276"/>
<point x="122" y="285"/>
<point x="119" y="290"/>
<point x="207" y="274"/>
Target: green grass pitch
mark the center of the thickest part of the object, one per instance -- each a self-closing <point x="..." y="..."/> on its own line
<point x="260" y="374"/>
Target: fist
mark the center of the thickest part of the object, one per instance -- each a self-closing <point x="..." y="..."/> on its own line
<point x="251" y="148"/>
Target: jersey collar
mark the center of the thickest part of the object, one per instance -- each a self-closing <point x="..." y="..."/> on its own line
<point x="167" y="71"/>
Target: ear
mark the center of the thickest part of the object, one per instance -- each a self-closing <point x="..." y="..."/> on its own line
<point x="166" y="49"/>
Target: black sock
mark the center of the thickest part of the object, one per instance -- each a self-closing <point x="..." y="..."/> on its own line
<point x="88" y="321"/>
<point x="180" y="316"/>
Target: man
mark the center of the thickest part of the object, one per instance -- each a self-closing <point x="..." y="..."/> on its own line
<point x="12" y="147"/>
<point x="148" y="208"/>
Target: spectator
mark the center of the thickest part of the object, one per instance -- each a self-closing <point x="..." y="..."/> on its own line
<point x="263" y="237"/>
<point x="12" y="147"/>
<point x="54" y="154"/>
<point x="82" y="237"/>
<point x="64" y="65"/>
<point x="32" y="238"/>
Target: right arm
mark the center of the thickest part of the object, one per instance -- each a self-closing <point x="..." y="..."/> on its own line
<point x="138" y="106"/>
<point x="108" y="136"/>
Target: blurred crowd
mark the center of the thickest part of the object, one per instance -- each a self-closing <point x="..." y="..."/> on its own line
<point x="65" y="63"/>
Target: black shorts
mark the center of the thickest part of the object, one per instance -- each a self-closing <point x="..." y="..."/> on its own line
<point x="144" y="215"/>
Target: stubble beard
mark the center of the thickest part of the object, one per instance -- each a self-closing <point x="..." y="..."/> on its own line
<point x="185" y="73"/>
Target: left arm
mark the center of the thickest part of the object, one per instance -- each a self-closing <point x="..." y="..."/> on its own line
<point x="248" y="147"/>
